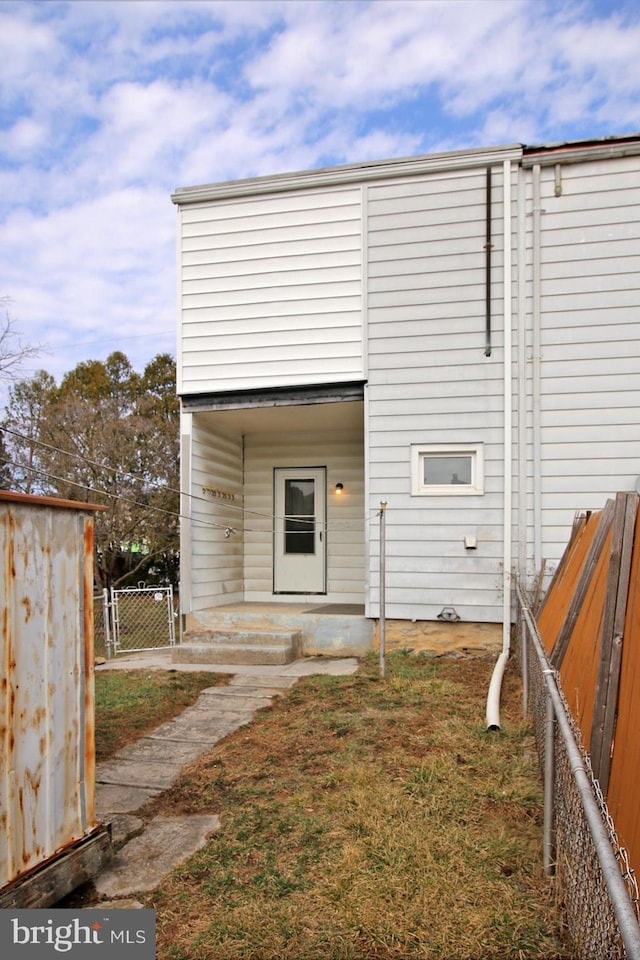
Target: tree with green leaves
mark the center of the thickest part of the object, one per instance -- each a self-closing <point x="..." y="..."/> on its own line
<point x="105" y="435"/>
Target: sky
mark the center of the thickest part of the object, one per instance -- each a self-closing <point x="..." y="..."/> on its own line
<point x="107" y="107"/>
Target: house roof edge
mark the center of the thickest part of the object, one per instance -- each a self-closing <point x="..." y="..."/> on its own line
<point x="576" y="151"/>
<point x="369" y="170"/>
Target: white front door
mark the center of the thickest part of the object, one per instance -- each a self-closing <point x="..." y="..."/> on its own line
<point x="299" y="530"/>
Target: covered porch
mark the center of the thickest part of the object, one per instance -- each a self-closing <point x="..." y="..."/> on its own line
<point x="274" y="523"/>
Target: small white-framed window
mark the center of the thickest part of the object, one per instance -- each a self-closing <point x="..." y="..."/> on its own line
<point x="449" y="469"/>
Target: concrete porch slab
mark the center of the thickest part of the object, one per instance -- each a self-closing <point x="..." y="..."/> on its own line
<point x="330" y="630"/>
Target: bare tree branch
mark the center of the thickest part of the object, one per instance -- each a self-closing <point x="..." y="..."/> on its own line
<point x="13" y="351"/>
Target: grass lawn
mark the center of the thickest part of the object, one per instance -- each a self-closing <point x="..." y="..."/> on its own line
<point x="129" y="703"/>
<point x="365" y="819"/>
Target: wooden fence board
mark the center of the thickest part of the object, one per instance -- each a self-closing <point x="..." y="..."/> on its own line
<point x="580" y="661"/>
<point x="561" y="589"/>
<point x="599" y="537"/>
<point x="562" y="604"/>
<point x="624" y="779"/>
<point x="606" y="696"/>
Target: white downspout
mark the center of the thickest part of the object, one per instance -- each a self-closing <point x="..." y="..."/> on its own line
<point x="495" y="686"/>
<point x="522" y="428"/>
<point x="186" y="501"/>
<point x="536" y="385"/>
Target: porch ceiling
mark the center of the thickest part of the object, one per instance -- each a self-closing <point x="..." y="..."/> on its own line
<point x="283" y="419"/>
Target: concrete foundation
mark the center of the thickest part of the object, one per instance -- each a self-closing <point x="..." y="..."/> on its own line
<point x="433" y="638"/>
<point x="342" y="630"/>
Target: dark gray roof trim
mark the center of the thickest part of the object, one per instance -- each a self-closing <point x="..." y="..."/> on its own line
<point x="275" y="397"/>
<point x="578" y="151"/>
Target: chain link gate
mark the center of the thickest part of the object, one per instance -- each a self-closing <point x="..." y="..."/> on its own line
<point x="135" y="618"/>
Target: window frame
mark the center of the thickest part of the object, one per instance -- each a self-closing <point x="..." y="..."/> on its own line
<point x="421" y="451"/>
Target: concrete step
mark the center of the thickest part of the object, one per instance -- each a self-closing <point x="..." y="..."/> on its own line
<point x="232" y="654"/>
<point x="239" y="646"/>
<point x="245" y="635"/>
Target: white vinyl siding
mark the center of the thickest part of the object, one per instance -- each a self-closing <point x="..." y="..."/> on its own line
<point x="380" y="277"/>
<point x="270" y="291"/>
<point x="431" y="383"/>
<point x="217" y="560"/>
<point x="590" y="341"/>
<point x="342" y="453"/>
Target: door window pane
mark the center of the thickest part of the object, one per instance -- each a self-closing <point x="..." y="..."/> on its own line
<point x="299" y="521"/>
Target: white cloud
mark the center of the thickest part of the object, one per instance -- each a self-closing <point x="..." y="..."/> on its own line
<point x="23" y="136"/>
<point x="106" y="107"/>
<point x="23" y="46"/>
<point x="98" y="270"/>
<point x="379" y="51"/>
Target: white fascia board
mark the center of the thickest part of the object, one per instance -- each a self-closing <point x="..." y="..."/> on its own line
<point x="349" y="173"/>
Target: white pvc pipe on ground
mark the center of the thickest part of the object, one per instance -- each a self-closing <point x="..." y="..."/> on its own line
<point x="493" y="695"/>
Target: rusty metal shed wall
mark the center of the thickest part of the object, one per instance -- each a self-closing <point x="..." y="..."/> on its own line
<point x="47" y="760"/>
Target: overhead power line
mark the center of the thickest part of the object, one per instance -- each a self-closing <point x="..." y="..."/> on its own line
<point x="116" y="496"/>
<point x="271" y="518"/>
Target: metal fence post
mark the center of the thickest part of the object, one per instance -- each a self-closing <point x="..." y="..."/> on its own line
<point x="106" y="613"/>
<point x="548" y="840"/>
<point x="115" y="621"/>
<point x="524" y="667"/>
<point x="383" y="629"/>
<point x="171" y="616"/>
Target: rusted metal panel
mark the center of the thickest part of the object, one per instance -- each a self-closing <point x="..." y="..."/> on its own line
<point x="46" y="696"/>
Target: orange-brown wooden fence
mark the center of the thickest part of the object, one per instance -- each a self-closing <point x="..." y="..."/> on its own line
<point x="589" y="623"/>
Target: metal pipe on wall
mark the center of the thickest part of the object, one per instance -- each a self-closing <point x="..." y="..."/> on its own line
<point x="536" y="386"/>
<point x="487" y="266"/>
<point x="492" y="718"/>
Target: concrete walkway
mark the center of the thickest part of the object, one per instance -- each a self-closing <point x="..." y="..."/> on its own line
<point x="148" y="852"/>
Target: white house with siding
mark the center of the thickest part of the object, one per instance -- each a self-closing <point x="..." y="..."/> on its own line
<point x="456" y="334"/>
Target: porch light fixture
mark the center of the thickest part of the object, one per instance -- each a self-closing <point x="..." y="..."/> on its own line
<point x="339" y="489"/>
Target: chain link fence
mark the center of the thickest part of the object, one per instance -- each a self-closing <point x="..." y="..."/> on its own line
<point x="102" y="624"/>
<point x="597" y="888"/>
<point x="134" y="618"/>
